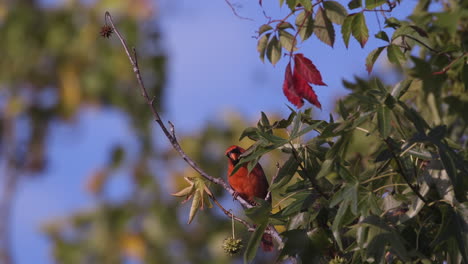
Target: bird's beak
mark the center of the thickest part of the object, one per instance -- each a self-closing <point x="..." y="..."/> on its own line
<point x="232" y="156"/>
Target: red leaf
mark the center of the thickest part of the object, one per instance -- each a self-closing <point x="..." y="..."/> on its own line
<point x="305" y="68"/>
<point x="304" y="90"/>
<point x="289" y="89"/>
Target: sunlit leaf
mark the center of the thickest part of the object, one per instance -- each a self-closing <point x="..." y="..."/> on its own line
<point x="323" y="28"/>
<point x="359" y="29"/>
<point x="372" y="57"/>
<point x="346" y="28"/>
<point x="288" y="42"/>
<point x="262" y="46"/>
<point x="273" y="51"/>
<point x="383" y="119"/>
<point x="335" y="12"/>
<point x="371" y="4"/>
<point x="305" y="25"/>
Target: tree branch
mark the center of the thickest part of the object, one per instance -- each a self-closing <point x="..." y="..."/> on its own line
<point x="231" y="215"/>
<point x="170" y="134"/>
<point x="402" y="172"/>
<point x="234" y="11"/>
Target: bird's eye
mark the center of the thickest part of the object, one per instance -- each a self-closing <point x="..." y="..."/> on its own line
<point x="235" y="151"/>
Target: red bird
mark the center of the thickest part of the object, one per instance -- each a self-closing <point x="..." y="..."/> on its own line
<point x="248" y="185"/>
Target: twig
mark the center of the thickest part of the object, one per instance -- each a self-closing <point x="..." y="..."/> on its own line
<point x="400" y="168"/>
<point x="312" y="180"/>
<point x="422" y="43"/>
<point x="171" y="134"/>
<point x="231" y="215"/>
<point x="446" y="68"/>
<point x="268" y="196"/>
<point x="234" y="11"/>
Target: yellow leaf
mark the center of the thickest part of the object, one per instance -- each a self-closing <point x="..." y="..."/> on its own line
<point x="70" y="94"/>
<point x="133" y="246"/>
<point x="197" y="201"/>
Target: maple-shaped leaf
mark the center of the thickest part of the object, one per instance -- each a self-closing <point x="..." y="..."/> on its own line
<point x="304" y="90"/>
<point x="199" y="191"/>
<point x="307" y="70"/>
<point x="296" y="85"/>
<point x="289" y="89"/>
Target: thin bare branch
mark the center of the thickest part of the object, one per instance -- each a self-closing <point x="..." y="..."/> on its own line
<point x="268" y="196"/>
<point x="234" y="11"/>
<point x="171" y="134"/>
<point x="231" y="215"/>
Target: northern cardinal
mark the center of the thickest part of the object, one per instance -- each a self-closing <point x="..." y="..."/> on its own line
<point x="248" y="185"/>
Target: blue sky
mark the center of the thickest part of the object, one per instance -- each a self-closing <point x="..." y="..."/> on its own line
<point x="213" y="68"/>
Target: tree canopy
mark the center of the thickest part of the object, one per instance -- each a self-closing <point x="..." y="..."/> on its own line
<point x="382" y="180"/>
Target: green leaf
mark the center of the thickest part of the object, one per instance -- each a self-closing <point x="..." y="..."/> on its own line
<point x="262" y="46"/>
<point x="250" y="132"/>
<point x="306" y="130"/>
<point x="353" y="4"/>
<point x="371" y="4"/>
<point x="296" y="125"/>
<point x="383" y="119"/>
<point x="325" y="169"/>
<point x="296" y="243"/>
<point x="254" y="243"/>
<point x="285" y="173"/>
<point x="272" y="138"/>
<point x="395" y="55"/>
<point x="342" y="110"/>
<point x="196" y="203"/>
<point x="305" y="25"/>
<point x="392" y="22"/>
<point x="323" y="28"/>
<point x="273" y="50"/>
<point x="307" y="4"/>
<point x="335" y="12"/>
<point x="287" y="41"/>
<point x="359" y="29"/>
<point x="372" y="57"/>
<point x="400" y="88"/>
<point x="284" y="123"/>
<point x="382" y="35"/>
<point x="346" y="28"/>
<point x="264" y="119"/>
<point x="291" y="4"/>
<point x="345" y="174"/>
<point x="449" y="164"/>
<point x="301" y="203"/>
<point x="251" y="165"/>
<point x="260" y="213"/>
<point x="264" y="28"/>
<point x="337" y="222"/>
<point x="284" y="25"/>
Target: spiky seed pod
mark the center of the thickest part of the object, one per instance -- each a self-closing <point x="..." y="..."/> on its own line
<point x="106" y="31"/>
<point x="232" y="246"/>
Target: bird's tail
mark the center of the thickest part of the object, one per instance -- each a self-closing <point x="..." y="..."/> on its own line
<point x="267" y="243"/>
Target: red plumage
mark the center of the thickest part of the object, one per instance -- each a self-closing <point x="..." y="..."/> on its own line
<point x="248" y="185"/>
